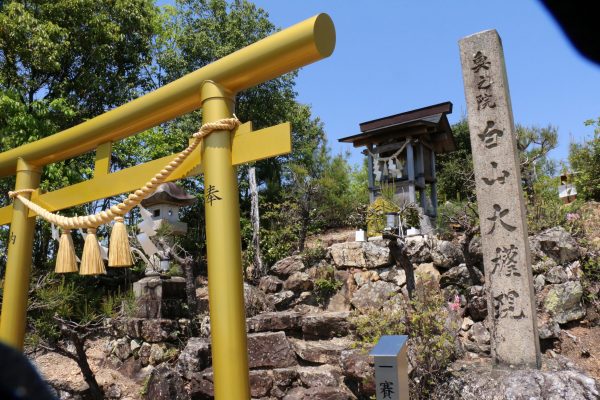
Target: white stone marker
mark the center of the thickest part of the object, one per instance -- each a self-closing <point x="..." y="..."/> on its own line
<point x="508" y="278"/>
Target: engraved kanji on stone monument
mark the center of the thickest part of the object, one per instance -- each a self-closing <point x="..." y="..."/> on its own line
<point x="495" y="175"/>
<point x="506" y="261"/>
<point x="490" y="135"/>
<point x="508" y="278"/>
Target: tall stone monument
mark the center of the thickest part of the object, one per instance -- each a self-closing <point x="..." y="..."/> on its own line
<point x="509" y="282"/>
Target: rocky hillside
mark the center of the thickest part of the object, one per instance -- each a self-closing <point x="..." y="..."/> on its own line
<point x="301" y="337"/>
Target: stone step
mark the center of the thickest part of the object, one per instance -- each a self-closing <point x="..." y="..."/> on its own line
<point x="321" y="351"/>
<point x="328" y="324"/>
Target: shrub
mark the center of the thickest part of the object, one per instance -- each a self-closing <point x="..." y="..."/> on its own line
<point x="545" y="209"/>
<point x="453" y="216"/>
<point x="174" y="270"/>
<point x="376" y="215"/>
<point x="431" y="325"/>
<point x="585" y="160"/>
<point x="591" y="279"/>
<point x="311" y="256"/>
<point x="326" y="284"/>
<point x="119" y="304"/>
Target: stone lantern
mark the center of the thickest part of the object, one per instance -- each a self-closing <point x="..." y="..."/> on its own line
<point x="164" y="204"/>
<point x="157" y="294"/>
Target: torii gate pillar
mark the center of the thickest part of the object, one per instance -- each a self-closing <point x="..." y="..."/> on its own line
<point x="223" y="247"/>
<point x="18" y="263"/>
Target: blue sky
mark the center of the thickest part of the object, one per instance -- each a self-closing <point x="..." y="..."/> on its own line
<point x="394" y="56"/>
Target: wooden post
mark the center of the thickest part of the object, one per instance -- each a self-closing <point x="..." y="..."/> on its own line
<point x="371" y="178"/>
<point x="421" y="177"/>
<point x="410" y="164"/>
<point x="434" y="199"/>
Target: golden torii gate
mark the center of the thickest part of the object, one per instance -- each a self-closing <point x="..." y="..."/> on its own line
<point x="212" y="88"/>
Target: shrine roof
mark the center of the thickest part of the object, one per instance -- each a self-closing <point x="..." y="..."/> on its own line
<point x="429" y="123"/>
<point x="169" y="193"/>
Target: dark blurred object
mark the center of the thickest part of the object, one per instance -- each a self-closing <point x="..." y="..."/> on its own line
<point x="19" y="380"/>
<point x="579" y="23"/>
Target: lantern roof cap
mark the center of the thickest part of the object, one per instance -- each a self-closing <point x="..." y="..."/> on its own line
<point x="169" y="193"/>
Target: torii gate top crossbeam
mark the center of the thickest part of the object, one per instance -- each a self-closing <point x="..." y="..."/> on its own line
<point x="285" y="51"/>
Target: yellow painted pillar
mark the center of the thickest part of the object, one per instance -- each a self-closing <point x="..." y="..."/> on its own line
<point x="18" y="265"/>
<point x="223" y="247"/>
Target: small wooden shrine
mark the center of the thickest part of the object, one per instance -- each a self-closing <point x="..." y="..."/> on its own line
<point x="401" y="152"/>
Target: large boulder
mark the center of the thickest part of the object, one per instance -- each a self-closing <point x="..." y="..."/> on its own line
<point x="261" y="383"/>
<point x="320" y="351"/>
<point x="360" y="254"/>
<point x="427" y="271"/>
<point x="477" y="303"/>
<point x="326" y="325"/>
<point x="394" y="275"/>
<point x="281" y="300"/>
<point x="270" y="284"/>
<point x="323" y="375"/>
<point x="373" y="295"/>
<point x="275" y="321"/>
<point x="461" y="277"/>
<point x="195" y="357"/>
<point x="166" y="384"/>
<point x="319" y="393"/>
<point x="256" y="301"/>
<point x="556" y="274"/>
<point x="298" y="282"/>
<point x="419" y="251"/>
<point x="153" y="330"/>
<point x="557" y="244"/>
<point x="358" y="370"/>
<point x="340" y="301"/>
<point x="287" y="266"/>
<point x="270" y="350"/>
<point x="563" y="302"/>
<point x="475" y="254"/>
<point x="483" y="382"/>
<point x="446" y="254"/>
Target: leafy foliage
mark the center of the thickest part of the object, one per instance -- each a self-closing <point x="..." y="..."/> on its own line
<point x="533" y="144"/>
<point x="326" y="284"/>
<point x="545" y="208"/>
<point x="454" y="171"/>
<point x="584" y="159"/>
<point x="431" y="326"/>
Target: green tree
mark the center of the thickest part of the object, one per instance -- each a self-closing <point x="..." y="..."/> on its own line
<point x="584" y="159"/>
<point x="62" y="62"/>
<point x="195" y="33"/>
<point x="534" y="143"/>
<point x="455" y="170"/>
